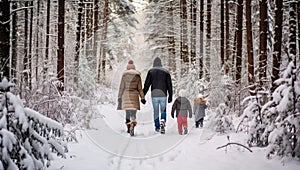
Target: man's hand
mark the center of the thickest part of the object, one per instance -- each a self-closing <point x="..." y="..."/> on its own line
<point x="172" y="116"/>
<point x="169" y="99"/>
<point x="143" y="101"/>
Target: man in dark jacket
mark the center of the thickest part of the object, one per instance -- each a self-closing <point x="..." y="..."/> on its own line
<point x="161" y="86"/>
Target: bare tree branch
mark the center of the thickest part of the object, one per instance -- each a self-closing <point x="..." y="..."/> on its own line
<point x="233" y="143"/>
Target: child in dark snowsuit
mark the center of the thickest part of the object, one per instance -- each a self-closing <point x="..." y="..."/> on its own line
<point x="182" y="106"/>
<point x="199" y="110"/>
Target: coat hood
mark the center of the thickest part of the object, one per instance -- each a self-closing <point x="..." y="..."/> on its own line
<point x="157" y="62"/>
<point x="131" y="75"/>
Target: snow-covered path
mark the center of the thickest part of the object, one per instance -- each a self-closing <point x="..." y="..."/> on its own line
<point x="110" y="135"/>
<point x="107" y="146"/>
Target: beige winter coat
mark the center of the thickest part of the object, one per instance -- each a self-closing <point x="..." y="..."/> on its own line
<point x="130" y="90"/>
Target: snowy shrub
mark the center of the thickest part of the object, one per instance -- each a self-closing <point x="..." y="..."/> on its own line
<point x="49" y="101"/>
<point x="255" y="119"/>
<point x="27" y="138"/>
<point x="70" y="132"/>
<point x="284" y="136"/>
<point x="221" y="121"/>
<point x="276" y="124"/>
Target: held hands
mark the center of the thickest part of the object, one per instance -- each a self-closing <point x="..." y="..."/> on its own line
<point x="143" y="101"/>
<point x="169" y="99"/>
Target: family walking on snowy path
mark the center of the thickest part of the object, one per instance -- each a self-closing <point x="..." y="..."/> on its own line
<point x="130" y="91"/>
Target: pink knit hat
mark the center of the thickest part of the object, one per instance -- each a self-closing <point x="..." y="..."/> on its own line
<point x="130" y="65"/>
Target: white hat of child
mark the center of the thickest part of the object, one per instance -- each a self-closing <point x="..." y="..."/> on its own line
<point x="200" y="96"/>
<point x="182" y="93"/>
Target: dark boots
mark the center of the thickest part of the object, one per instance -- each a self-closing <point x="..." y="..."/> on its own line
<point x="130" y="127"/>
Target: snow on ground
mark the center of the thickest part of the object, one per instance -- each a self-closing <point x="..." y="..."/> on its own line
<point x="107" y="146"/>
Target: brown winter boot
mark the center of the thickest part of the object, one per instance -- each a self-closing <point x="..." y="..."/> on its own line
<point x="132" y="125"/>
<point x="128" y="124"/>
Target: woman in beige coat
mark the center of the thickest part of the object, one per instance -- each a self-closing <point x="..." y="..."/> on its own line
<point x="129" y="92"/>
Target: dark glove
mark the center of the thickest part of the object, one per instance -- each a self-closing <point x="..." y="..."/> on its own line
<point x="172" y="116"/>
<point x="170" y="99"/>
<point x="119" y="107"/>
<point x="190" y="116"/>
<point x="143" y="101"/>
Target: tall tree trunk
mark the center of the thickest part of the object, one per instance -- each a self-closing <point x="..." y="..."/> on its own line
<point x="193" y="31"/>
<point x="201" y="38"/>
<point x="208" y="40"/>
<point x="37" y="40"/>
<point x="78" y="41"/>
<point x="25" y="58"/>
<point x="277" y="43"/>
<point x="227" y="37"/>
<point x="183" y="43"/>
<point x="222" y="33"/>
<point x="45" y="66"/>
<point x="89" y="33"/>
<point x="101" y="68"/>
<point x="90" y="22"/>
<point x="233" y="57"/>
<point x="96" y="15"/>
<point x="171" y="39"/>
<point x="298" y="11"/>
<point x="292" y="58"/>
<point x="250" y="46"/>
<point x="14" y="42"/>
<point x="4" y="38"/>
<point x="239" y="42"/>
<point x="30" y="45"/>
<point x="60" y="52"/>
<point x="293" y="31"/>
<point x="96" y="27"/>
<point x="263" y="42"/>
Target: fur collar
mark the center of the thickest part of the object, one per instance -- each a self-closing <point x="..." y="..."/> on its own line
<point x="134" y="72"/>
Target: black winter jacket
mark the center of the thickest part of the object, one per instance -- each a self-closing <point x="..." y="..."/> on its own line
<point x="160" y="81"/>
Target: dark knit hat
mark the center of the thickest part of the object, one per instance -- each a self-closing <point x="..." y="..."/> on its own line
<point x="157" y="62"/>
<point x="130" y="65"/>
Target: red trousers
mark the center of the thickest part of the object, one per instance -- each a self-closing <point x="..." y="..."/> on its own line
<point x="181" y="122"/>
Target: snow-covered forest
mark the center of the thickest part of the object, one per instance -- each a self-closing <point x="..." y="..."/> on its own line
<point x="61" y="64"/>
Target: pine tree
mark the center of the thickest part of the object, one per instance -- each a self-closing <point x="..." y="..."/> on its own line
<point x="221" y="121"/>
<point x="284" y="116"/>
<point x="27" y="138"/>
<point x="257" y="124"/>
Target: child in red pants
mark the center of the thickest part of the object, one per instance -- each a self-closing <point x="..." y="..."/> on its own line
<point x="182" y="106"/>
